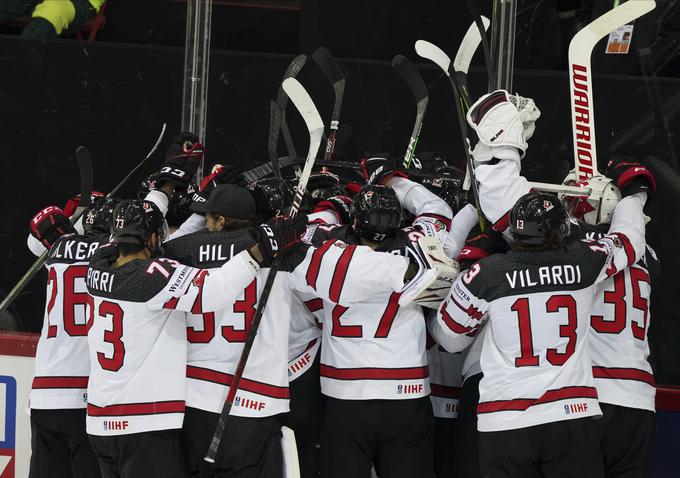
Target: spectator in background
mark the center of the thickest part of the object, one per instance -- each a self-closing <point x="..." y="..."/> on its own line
<point x="49" y="18"/>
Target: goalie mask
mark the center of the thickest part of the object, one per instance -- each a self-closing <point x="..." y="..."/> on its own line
<point x="597" y="207"/>
<point x="134" y="222"/>
<point x="537" y="219"/>
<point x="376" y="212"/>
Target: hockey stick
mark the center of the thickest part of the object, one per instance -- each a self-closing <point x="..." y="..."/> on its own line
<point x="463" y="58"/>
<point x="282" y="101"/>
<point x="581" y="83"/>
<point x="410" y="75"/>
<point x="305" y="106"/>
<point x="482" y="26"/>
<point x="331" y="69"/>
<point x="85" y="193"/>
<point x="84" y="162"/>
<point x="433" y="53"/>
<point x="275" y="122"/>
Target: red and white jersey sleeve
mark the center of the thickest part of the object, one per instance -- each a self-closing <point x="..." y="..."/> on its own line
<point x="461" y="225"/>
<point x="445" y="380"/>
<point x="62" y="364"/>
<point x="371" y="347"/>
<point x="432" y="214"/>
<point x="500" y="185"/>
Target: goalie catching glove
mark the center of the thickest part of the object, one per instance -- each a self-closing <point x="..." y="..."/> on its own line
<point x="434" y="277"/>
<point x="49" y="225"/>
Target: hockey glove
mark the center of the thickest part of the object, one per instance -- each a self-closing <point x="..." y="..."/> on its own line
<point x="630" y="177"/>
<point x="498" y="125"/>
<point x="49" y="225"/>
<point x="528" y="113"/>
<point x="434" y="277"/>
<point x="378" y="170"/>
<point x="182" y="160"/>
<point x="278" y="234"/>
<point x="480" y="245"/>
<point x="339" y="205"/>
<point x="73" y="203"/>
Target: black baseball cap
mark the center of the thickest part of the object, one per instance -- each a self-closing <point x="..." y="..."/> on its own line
<point x="228" y="200"/>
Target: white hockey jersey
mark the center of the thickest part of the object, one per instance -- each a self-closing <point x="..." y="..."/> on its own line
<point x="62" y="364"/>
<point x="535" y="358"/>
<point x="137" y="336"/>
<point x="304" y="336"/>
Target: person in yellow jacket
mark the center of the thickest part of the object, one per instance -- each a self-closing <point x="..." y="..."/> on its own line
<point x="49" y="18"/>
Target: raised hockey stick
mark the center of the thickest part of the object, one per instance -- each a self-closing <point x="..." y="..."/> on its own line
<point x="330" y="68"/>
<point x="303" y="102"/>
<point x="581" y="83"/>
<point x="435" y="54"/>
<point x="461" y="62"/>
<point x="275" y="122"/>
<point x="84" y="161"/>
<point x="482" y="24"/>
<point x="281" y="102"/>
<point x="410" y="75"/>
<point x="86" y="189"/>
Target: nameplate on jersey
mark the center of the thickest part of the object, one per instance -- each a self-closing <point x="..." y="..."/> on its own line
<point x="563" y="274"/>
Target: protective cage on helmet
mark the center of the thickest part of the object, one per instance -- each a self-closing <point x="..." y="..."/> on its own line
<point x="536" y="217"/>
<point x="376" y="212"/>
<point x="134" y="221"/>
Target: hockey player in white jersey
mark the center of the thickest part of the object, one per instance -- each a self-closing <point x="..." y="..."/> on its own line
<point x="216" y="341"/>
<point x="373" y="356"/>
<point x="619" y="323"/>
<point x="59" y="444"/>
<point x="532" y="344"/>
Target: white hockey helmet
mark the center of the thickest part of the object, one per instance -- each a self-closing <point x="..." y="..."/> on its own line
<point x="596" y="208"/>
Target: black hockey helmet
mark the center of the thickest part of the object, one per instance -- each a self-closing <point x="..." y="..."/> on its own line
<point x="376" y="212"/>
<point x="97" y="217"/>
<point x="447" y="183"/>
<point x="147" y="185"/>
<point x="271" y="195"/>
<point x="135" y="220"/>
<point x="322" y="185"/>
<point x="178" y="208"/>
<point x="535" y="217"/>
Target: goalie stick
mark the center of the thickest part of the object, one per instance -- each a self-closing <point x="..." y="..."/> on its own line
<point x="581" y="83"/>
<point x="330" y="68"/>
<point x="435" y="54"/>
<point x="410" y="75"/>
<point x="86" y="189"/>
<point x="482" y="24"/>
<point x="303" y="102"/>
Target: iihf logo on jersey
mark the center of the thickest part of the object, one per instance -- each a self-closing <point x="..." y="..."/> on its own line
<point x="399" y="389"/>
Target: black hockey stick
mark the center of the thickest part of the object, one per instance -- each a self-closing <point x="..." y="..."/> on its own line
<point x="410" y="75"/>
<point x="310" y="114"/>
<point x="331" y="69"/>
<point x="436" y="55"/>
<point x="275" y="121"/>
<point x="281" y="102"/>
<point x="86" y="189"/>
<point x="481" y="27"/>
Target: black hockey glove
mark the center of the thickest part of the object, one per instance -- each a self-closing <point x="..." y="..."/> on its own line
<point x="49" y="225"/>
<point x="182" y="160"/>
<point x="480" y="245"/>
<point x="278" y="234"/>
<point x="378" y="170"/>
<point x="630" y="177"/>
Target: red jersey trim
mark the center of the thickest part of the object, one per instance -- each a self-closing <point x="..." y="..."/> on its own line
<point x="620" y="373"/>
<point x="315" y="263"/>
<point x="314" y="305"/>
<point x="373" y="373"/>
<point x="522" y="404"/>
<point x="628" y="247"/>
<point x="340" y="273"/>
<point x="245" y="384"/>
<point x="503" y="223"/>
<point x="148" y="408"/>
<point x="59" y="382"/>
<point x="444" y="391"/>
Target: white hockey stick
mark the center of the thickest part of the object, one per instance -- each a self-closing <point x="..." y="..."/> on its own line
<point x="581" y="84"/>
<point x="304" y="104"/>
<point x="560" y="189"/>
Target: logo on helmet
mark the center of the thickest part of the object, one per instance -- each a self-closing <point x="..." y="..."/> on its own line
<point x="547" y="205"/>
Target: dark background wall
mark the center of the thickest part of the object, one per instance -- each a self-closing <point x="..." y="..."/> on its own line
<point x="113" y="97"/>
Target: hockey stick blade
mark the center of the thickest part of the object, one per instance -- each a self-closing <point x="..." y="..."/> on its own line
<point x="410" y="75"/>
<point x="292" y="71"/>
<point x="432" y="52"/>
<point x="481" y="28"/>
<point x="581" y="83"/>
<point x="331" y="69"/>
<point x="303" y="102"/>
<point x="468" y="46"/>
<point x="275" y="120"/>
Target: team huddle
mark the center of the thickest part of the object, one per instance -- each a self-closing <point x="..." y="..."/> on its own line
<point x="408" y="331"/>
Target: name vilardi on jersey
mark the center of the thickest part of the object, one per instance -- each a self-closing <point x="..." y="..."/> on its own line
<point x="563" y="274"/>
<point x="73" y="250"/>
